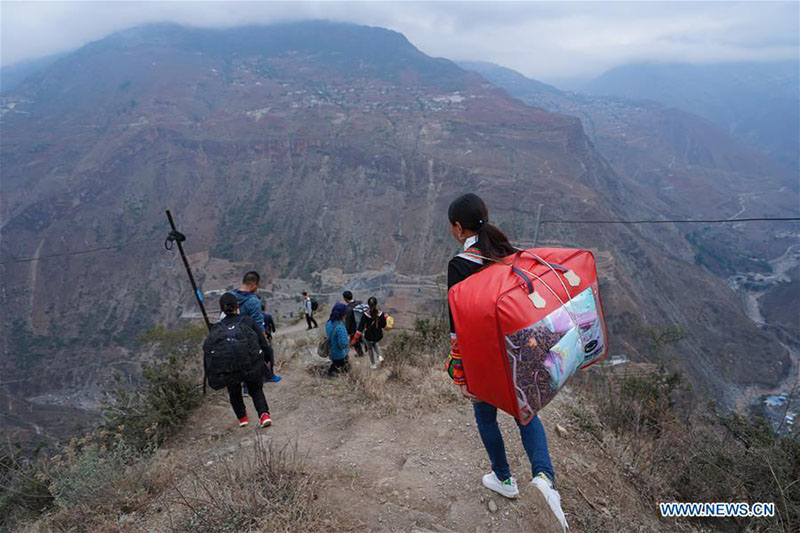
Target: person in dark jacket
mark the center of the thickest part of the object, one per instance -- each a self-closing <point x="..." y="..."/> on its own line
<point x="269" y="322"/>
<point x="371" y="328"/>
<point x="254" y="377"/>
<point x="469" y="225"/>
<point x="340" y="343"/>
<point x="352" y="319"/>
<point x="269" y="353"/>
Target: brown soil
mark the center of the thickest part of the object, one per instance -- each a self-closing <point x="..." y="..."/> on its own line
<point x="410" y="470"/>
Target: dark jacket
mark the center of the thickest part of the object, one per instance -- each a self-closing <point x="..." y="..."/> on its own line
<point x="458" y="270"/>
<point x="269" y="323"/>
<point x="350" y="318"/>
<point x="372" y="327"/>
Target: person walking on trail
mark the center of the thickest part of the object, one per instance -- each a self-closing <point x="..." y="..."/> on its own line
<point x="232" y="355"/>
<point x="249" y="302"/>
<point x="469" y="225"/>
<point x="269" y="322"/>
<point x="336" y="332"/>
<point x="250" y="305"/>
<point x="308" y="309"/>
<point x="269" y="328"/>
<point x="355" y="310"/>
<point x="371" y="328"/>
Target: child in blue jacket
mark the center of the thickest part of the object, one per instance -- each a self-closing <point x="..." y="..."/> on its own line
<point x="340" y="341"/>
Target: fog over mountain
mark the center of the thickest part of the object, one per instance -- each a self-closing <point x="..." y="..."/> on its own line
<point x="548" y="41"/>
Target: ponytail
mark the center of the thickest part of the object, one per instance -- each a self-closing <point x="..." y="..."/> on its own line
<point x="493" y="243"/>
<point x="471" y="212"/>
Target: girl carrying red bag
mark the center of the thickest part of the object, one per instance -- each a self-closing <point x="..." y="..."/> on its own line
<point x="469" y="220"/>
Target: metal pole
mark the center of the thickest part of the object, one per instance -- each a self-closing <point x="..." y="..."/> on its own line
<point x="179" y="238"/>
<point x="536" y="227"/>
<point x="197" y="294"/>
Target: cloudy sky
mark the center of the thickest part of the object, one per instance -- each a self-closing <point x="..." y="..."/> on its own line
<point x="544" y="40"/>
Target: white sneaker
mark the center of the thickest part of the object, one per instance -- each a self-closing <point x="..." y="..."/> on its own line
<point x="551" y="497"/>
<point x="507" y="488"/>
<point x="380" y="359"/>
<point x="373" y="367"/>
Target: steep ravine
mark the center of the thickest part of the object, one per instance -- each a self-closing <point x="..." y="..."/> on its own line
<point x="751" y="288"/>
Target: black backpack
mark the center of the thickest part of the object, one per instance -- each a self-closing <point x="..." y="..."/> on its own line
<point x="229" y="352"/>
<point x="350" y="319"/>
<point x="314" y="304"/>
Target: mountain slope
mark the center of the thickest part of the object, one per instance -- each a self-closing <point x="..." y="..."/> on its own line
<point x="677" y="165"/>
<point x="756" y="102"/>
<point x="12" y="76"/>
<point x="291" y="149"/>
<point x="677" y="162"/>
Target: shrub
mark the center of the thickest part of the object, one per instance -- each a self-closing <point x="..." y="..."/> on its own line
<point x="643" y="403"/>
<point x="268" y="487"/>
<point x="91" y="474"/>
<point x="735" y="458"/>
<point x="434" y="333"/>
<point x="406" y="348"/>
<point x="24" y="488"/>
<point x="107" y="471"/>
<point x="675" y="452"/>
<point x="145" y="417"/>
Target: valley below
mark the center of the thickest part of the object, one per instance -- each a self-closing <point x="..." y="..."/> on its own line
<point x="774" y="295"/>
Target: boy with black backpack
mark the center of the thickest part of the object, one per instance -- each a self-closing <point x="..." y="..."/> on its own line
<point x="232" y="355"/>
<point x="309" y="306"/>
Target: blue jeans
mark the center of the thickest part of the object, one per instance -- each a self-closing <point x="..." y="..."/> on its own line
<point x="533" y="440"/>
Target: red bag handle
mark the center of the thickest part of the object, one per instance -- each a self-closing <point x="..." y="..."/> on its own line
<point x="554" y="266"/>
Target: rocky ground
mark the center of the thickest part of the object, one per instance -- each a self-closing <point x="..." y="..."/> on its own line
<point x="401" y="461"/>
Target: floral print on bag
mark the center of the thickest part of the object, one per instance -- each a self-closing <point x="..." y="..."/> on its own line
<point x="544" y="355"/>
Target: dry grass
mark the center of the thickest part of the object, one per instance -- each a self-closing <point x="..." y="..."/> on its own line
<point x="673" y="450"/>
<point x="410" y="380"/>
<point x="109" y="481"/>
<point x="259" y="487"/>
<point x="95" y="488"/>
<point x="293" y="349"/>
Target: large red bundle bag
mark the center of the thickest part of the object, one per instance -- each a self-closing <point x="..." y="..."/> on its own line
<point x="526" y="324"/>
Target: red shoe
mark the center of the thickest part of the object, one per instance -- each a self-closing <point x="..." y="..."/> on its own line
<point x="265" y="420"/>
<point x="243" y="421"/>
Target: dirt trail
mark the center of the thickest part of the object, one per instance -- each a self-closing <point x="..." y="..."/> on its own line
<point x="411" y="471"/>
